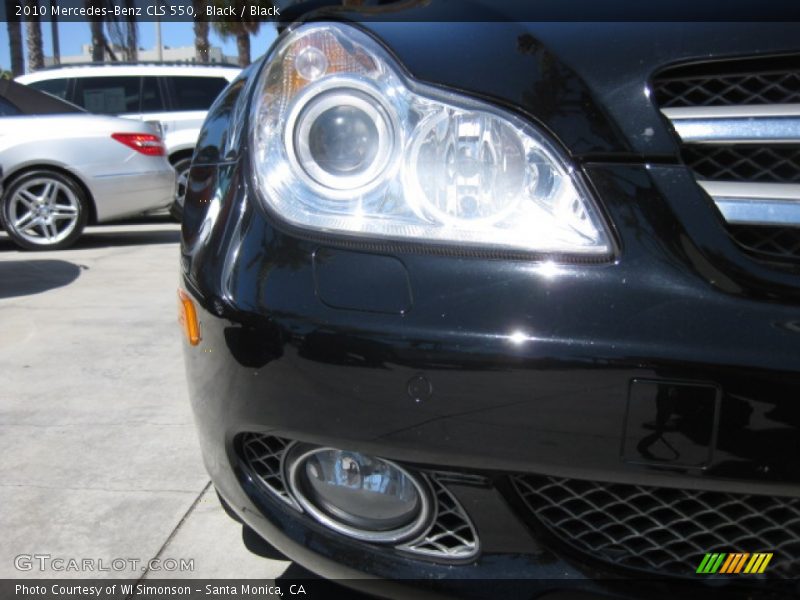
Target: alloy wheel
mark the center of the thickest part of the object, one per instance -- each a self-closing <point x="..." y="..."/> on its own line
<point x="43" y="211"/>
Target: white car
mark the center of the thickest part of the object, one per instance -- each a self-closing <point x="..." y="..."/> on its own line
<point x="64" y="168"/>
<point x="175" y="96"/>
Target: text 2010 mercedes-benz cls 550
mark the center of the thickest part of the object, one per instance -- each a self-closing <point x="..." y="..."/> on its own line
<point x="506" y="300"/>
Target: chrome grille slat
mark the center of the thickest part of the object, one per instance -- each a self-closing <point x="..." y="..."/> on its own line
<point x="738" y="130"/>
<point x="767" y="204"/>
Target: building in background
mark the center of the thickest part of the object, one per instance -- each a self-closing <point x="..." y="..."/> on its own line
<point x="184" y="54"/>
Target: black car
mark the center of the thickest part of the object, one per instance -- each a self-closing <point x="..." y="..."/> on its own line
<point x="506" y="301"/>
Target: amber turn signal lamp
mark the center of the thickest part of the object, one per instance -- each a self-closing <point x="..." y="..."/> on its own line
<point x="187" y="317"/>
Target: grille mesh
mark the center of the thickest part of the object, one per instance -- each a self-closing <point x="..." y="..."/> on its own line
<point x="733" y="84"/>
<point x="264" y="456"/>
<point x="779" y="243"/>
<point x="767" y="164"/>
<point x="663" y="530"/>
<point x="451" y="535"/>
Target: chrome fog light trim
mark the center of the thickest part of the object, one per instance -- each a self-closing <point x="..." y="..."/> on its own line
<point x="338" y="517"/>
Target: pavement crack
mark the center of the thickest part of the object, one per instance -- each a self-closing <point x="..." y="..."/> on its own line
<point x="172" y="534"/>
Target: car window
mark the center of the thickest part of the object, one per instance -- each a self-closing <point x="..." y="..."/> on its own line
<point x="196" y="93"/>
<point x="152" y="101"/>
<point x="7" y="109"/>
<point x="54" y="87"/>
<point x="108" y="95"/>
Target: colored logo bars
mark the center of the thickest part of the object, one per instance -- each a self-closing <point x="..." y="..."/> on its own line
<point x="734" y="563"/>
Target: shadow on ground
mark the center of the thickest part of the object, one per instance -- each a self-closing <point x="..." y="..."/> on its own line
<point x="109" y="239"/>
<point x="119" y="233"/>
<point x="295" y="574"/>
<point x="28" y="277"/>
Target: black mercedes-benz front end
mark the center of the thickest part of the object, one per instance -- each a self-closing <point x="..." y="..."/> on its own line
<point x="428" y="403"/>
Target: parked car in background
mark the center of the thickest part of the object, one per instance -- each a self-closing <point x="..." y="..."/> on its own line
<point x="507" y="301"/>
<point x="65" y="168"/>
<point x="175" y="96"/>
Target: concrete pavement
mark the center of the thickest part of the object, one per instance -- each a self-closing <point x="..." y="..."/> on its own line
<point x="99" y="454"/>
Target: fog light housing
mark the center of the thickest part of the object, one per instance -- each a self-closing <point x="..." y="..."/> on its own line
<point x="360" y="496"/>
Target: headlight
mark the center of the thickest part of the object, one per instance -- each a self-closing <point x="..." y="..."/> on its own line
<point x="344" y="142"/>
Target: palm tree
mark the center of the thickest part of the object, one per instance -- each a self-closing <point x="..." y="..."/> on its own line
<point x="54" y="34"/>
<point x="201" y="44"/>
<point x="241" y="30"/>
<point x="132" y="39"/>
<point x="123" y="33"/>
<point x="99" y="43"/>
<point x="33" y="38"/>
<point x="14" y="39"/>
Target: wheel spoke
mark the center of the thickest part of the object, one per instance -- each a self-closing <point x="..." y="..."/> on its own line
<point x="24" y="221"/>
<point x="50" y="192"/>
<point x="28" y="199"/>
<point x="62" y="211"/>
<point x="50" y="230"/>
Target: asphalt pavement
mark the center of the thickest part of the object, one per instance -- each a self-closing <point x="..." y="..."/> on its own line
<point x="100" y="460"/>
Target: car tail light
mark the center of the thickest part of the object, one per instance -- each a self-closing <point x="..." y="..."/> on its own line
<point x="146" y="143"/>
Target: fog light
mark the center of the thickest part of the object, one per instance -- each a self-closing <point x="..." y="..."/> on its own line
<point x="360" y="496"/>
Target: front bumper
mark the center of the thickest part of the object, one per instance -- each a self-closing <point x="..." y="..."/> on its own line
<point x="492" y="367"/>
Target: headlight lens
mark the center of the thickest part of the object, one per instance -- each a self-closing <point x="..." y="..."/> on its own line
<point x="343" y="142"/>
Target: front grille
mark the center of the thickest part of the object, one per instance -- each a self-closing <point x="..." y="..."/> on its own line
<point x="738" y="122"/>
<point x="663" y="530"/>
<point x="739" y="162"/>
<point x="780" y="243"/>
<point x="731" y="83"/>
<point x="450" y="535"/>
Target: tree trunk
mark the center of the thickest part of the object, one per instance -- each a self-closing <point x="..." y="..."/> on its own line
<point x="132" y="40"/>
<point x="33" y="38"/>
<point x="110" y="51"/>
<point x="243" y="46"/>
<point x="98" y="41"/>
<point x="14" y="39"/>
<point x="201" y="44"/>
<point x="54" y="35"/>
